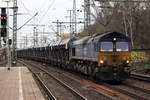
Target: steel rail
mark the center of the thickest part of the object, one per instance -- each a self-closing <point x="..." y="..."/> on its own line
<point x="46" y="89"/>
<point x="140" y="77"/>
<point x="136" y="96"/>
<point x="137" y="88"/>
<point x="77" y="94"/>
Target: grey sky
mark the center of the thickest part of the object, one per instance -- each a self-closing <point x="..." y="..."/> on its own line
<point x="48" y="11"/>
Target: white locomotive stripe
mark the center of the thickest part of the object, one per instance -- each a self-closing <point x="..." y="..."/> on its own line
<point x="20" y="86"/>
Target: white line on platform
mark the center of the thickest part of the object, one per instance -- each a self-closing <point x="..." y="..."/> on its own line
<point x="20" y="85"/>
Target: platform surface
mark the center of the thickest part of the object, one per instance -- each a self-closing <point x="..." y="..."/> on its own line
<point x="18" y="84"/>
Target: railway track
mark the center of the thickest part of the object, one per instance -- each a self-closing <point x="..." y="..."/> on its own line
<point x="85" y="82"/>
<point x="127" y="92"/>
<point x="137" y="88"/>
<point x="42" y="84"/>
<point x="116" y="88"/>
<point x="140" y="77"/>
<point x="49" y="93"/>
<point x="77" y="96"/>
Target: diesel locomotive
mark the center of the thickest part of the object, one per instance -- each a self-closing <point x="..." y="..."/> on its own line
<point x="104" y="57"/>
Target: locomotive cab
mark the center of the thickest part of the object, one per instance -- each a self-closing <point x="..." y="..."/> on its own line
<point x="114" y="54"/>
<point x="114" y="57"/>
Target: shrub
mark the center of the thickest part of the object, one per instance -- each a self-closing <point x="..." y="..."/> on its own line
<point x="139" y="57"/>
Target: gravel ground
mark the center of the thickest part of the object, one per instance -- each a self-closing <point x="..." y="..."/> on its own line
<point x="58" y="90"/>
<point x="132" y="90"/>
<point x="76" y="83"/>
<point x="138" y="83"/>
<point x="78" y="79"/>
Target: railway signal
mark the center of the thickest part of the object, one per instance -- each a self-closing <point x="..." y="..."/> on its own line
<point x="3" y="32"/>
<point x="3" y="22"/>
<point x="3" y="17"/>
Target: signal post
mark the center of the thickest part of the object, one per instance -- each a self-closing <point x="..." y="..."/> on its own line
<point x="5" y="31"/>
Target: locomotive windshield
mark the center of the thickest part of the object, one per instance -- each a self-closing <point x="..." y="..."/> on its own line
<point x="122" y="46"/>
<point x="118" y="46"/>
<point x="106" y="46"/>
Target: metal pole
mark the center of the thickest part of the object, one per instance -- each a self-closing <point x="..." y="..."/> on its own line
<point x="74" y="16"/>
<point x="87" y="15"/>
<point x="23" y="40"/>
<point x="34" y="33"/>
<point x="8" y="46"/>
<point x="84" y="14"/>
<point x="57" y="30"/>
<point x="70" y="11"/>
<point x="70" y="24"/>
<point x="60" y="31"/>
<point x="43" y="35"/>
<point x="15" y="33"/>
<point x="26" y="41"/>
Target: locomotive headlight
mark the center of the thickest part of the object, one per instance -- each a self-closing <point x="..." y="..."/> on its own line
<point x="114" y="39"/>
<point x="101" y="61"/>
<point x="127" y="61"/>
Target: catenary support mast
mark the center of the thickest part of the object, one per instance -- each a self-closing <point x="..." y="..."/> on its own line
<point x="87" y="16"/>
<point x="14" y="54"/>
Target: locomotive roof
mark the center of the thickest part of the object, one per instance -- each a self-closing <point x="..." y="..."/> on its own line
<point x="110" y="36"/>
<point x="63" y="42"/>
<point x="82" y="40"/>
<point x="101" y="37"/>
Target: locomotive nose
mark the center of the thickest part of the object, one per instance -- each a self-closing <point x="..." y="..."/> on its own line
<point x="114" y="59"/>
<point x="119" y="59"/>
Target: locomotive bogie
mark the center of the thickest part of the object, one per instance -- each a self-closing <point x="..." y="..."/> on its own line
<point x="113" y="73"/>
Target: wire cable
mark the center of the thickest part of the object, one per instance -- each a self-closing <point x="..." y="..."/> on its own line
<point x="26" y="8"/>
<point x="47" y="10"/>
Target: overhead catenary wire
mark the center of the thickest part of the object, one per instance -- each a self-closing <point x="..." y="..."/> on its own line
<point x="43" y="15"/>
<point x="26" y="8"/>
<point x="47" y="10"/>
<point x="27" y="21"/>
<point x="41" y="7"/>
